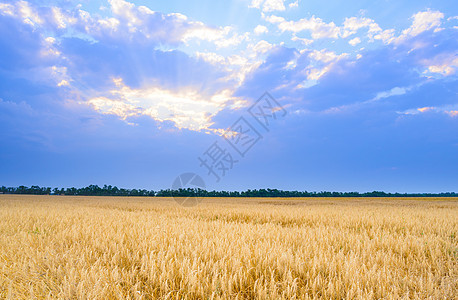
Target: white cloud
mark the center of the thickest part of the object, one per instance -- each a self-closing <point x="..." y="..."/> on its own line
<point x="326" y="56"/>
<point x="268" y="5"/>
<point x="239" y="66"/>
<point x="314" y="74"/>
<point x="29" y="14"/>
<point x="353" y="24"/>
<point x="294" y="4"/>
<point x="60" y="75"/>
<point x="386" y="36"/>
<point x="131" y="24"/>
<point x="322" y="62"/>
<point x="59" y="17"/>
<point x="128" y="23"/>
<point x="292" y="64"/>
<point x="234" y="40"/>
<point x="114" y="107"/>
<point x="354" y="41"/>
<point x="63" y="82"/>
<point x="450" y="110"/>
<point x="260" y="30"/>
<point x="142" y="25"/>
<point x="211" y="57"/>
<point x="316" y="26"/>
<point x="236" y="66"/>
<point x="202" y="32"/>
<point x="444" y="69"/>
<point x="422" y="21"/>
<point x="48" y="47"/>
<point x="273" y="19"/>
<point x="443" y="64"/>
<point x="261" y="47"/>
<point x="396" y="91"/>
<point x="221" y="36"/>
<point x="7" y="9"/>
<point x="374" y="32"/>
<point x="24" y="11"/>
<point x="109" y="24"/>
<point x="320" y="29"/>
<point x="304" y="41"/>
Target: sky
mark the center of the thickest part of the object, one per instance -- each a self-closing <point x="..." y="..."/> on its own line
<point x="361" y="95"/>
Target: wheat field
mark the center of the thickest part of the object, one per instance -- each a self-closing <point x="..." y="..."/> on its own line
<point x="63" y="247"/>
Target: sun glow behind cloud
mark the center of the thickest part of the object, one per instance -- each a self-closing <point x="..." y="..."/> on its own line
<point x="186" y="109"/>
<point x="236" y="53"/>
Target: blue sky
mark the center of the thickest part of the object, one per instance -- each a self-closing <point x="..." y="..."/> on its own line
<point x="133" y="93"/>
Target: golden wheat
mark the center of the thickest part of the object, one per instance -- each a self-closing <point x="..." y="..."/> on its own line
<point x="148" y="248"/>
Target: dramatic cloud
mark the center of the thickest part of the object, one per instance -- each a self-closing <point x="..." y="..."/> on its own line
<point x="104" y="54"/>
<point x="186" y="109"/>
<point x="421" y="22"/>
<point x="81" y="82"/>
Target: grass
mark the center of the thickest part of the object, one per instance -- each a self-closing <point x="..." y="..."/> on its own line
<point x="147" y="248"/>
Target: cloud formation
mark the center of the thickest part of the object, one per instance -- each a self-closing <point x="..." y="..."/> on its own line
<point x="128" y="72"/>
<point x="268" y="5"/>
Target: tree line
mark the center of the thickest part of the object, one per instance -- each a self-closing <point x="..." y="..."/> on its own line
<point x="108" y="190"/>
